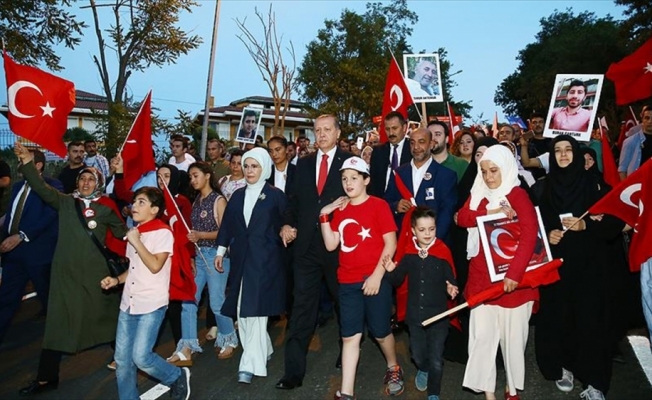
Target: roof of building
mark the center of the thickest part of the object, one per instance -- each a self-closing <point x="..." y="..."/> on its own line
<point x="90" y="101"/>
<point x="265" y="101"/>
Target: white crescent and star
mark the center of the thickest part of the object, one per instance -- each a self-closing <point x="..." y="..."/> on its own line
<point x="396" y="90"/>
<point x="12" y="92"/>
<point x="626" y="197"/>
<point x="493" y="240"/>
<point x="364" y="233"/>
<point x="648" y="68"/>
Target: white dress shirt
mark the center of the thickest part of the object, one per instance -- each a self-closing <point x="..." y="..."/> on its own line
<point x="418" y="173"/>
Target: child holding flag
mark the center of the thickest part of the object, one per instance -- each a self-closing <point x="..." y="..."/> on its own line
<point x="428" y="264"/>
<point x="364" y="228"/>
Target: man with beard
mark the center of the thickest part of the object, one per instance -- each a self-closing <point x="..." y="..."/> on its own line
<point x="68" y="175"/>
<point x="429" y="183"/>
<point x="390" y="155"/>
<point x="572" y="117"/>
<point x="424" y="80"/>
<point x="534" y="146"/>
<point x="439" y="131"/>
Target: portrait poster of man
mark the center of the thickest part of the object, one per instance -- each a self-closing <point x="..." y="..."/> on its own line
<point x="249" y="125"/>
<point x="500" y="236"/>
<point x="423" y="77"/>
<point x="573" y="106"/>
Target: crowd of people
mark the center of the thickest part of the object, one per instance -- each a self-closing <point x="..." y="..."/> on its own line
<point x="389" y="229"/>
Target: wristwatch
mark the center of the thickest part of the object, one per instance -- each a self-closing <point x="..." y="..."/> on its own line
<point x="23" y="237"/>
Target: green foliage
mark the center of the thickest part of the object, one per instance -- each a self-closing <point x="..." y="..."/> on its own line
<point x="566" y="44"/>
<point x="638" y="26"/>
<point x="31" y="29"/>
<point x="77" y="135"/>
<point x="344" y="70"/>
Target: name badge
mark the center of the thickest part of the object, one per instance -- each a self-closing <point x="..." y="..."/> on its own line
<point x="430" y="193"/>
<point x="427" y="176"/>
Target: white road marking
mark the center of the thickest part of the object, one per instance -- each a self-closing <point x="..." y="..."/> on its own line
<point x="641" y="347"/>
<point x="155" y="392"/>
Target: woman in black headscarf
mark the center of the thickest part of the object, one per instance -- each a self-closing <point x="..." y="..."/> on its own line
<point x="571" y="330"/>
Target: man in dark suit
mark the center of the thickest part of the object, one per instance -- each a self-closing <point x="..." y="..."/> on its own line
<point x="435" y="185"/>
<point x="283" y="171"/>
<point x="390" y="155"/>
<point x="316" y="183"/>
<point x="29" y="237"/>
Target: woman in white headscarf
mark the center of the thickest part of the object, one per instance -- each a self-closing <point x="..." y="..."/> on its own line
<point x="256" y="285"/>
<point x="502" y="321"/>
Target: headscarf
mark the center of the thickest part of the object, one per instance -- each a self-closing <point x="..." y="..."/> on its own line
<point x="594" y="168"/>
<point x="466" y="183"/>
<point x="99" y="188"/>
<point x="173" y="185"/>
<point x="504" y="159"/>
<point x="525" y="174"/>
<point x="252" y="192"/>
<point x="567" y="190"/>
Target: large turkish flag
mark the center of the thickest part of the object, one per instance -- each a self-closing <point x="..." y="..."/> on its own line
<point x="397" y="96"/>
<point x="39" y="104"/>
<point x="632" y="75"/>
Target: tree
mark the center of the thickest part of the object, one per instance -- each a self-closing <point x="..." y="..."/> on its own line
<point x="267" y="54"/>
<point x="566" y="44"/>
<point x="77" y="135"/>
<point x="147" y="36"/>
<point x="31" y="29"/>
<point x="344" y="70"/>
<point x="638" y="25"/>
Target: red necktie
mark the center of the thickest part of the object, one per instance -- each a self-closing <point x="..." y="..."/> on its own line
<point x="323" y="173"/>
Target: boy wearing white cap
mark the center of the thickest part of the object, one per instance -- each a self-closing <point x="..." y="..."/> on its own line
<point x="364" y="228"/>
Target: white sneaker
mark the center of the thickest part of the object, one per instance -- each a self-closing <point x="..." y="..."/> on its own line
<point x="565" y="384"/>
<point x="592" y="393"/>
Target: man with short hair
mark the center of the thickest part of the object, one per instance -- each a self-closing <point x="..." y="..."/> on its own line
<point x="534" y="145"/>
<point x="506" y="133"/>
<point x="572" y="117"/>
<point x="94" y="159"/>
<point x="68" y="174"/>
<point x="345" y="145"/>
<point x="440" y="153"/>
<point x="180" y="157"/>
<point x="292" y="153"/>
<point x="388" y="156"/>
<point x="317" y="182"/>
<point x="29" y="236"/>
<point x="214" y="152"/>
<point x="637" y="149"/>
<point x="424" y="80"/>
<point x="248" y="129"/>
<point x="283" y="172"/>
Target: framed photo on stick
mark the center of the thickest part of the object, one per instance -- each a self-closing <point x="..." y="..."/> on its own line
<point x="500" y="237"/>
<point x="423" y="77"/>
<point x="249" y="125"/>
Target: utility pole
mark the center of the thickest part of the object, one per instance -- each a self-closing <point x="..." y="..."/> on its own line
<point x="209" y="84"/>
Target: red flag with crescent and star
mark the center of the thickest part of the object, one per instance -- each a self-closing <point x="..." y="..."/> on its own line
<point x="39" y="104"/>
<point x="631" y="201"/>
<point x="632" y="75"/>
<point x="397" y="96"/>
<point x="137" y="149"/>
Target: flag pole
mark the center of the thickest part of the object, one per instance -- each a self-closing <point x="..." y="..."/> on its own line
<point x="209" y="84"/>
<point x="149" y="94"/>
<point x="445" y="314"/>
<point x="184" y="222"/>
<point x="630" y="110"/>
<point x="410" y="94"/>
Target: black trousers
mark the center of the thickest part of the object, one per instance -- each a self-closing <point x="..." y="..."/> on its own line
<point x="48" y="366"/>
<point x="309" y="270"/>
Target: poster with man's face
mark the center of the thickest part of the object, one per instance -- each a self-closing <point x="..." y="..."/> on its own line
<point x="573" y="106"/>
<point x="249" y="125"/>
<point x="423" y="77"/>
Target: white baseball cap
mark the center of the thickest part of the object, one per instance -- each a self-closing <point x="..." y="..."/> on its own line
<point x="356" y="163"/>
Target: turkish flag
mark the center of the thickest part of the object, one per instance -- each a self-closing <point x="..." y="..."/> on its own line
<point x="628" y="124"/>
<point x="631" y="201"/>
<point x="632" y="75"/>
<point x="609" y="167"/>
<point x="39" y="104"/>
<point x="137" y="150"/>
<point x="397" y="96"/>
<point x="182" y="281"/>
<point x="454" y="127"/>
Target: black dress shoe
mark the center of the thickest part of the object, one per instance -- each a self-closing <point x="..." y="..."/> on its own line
<point x="35" y="388"/>
<point x="288" y="384"/>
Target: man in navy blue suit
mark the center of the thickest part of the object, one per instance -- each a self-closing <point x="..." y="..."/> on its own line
<point x="429" y="183"/>
<point x="29" y="235"/>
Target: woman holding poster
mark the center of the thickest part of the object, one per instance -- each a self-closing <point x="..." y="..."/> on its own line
<point x="572" y="332"/>
<point x="502" y="321"/>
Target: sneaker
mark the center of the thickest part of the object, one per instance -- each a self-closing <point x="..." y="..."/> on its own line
<point x="421" y="381"/>
<point x="180" y="389"/>
<point x="394" y="380"/>
<point x="592" y="393"/>
<point x="565" y="384"/>
<point x="433" y="397"/>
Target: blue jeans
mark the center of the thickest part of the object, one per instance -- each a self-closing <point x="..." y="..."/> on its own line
<point x="206" y="274"/>
<point x="646" y="293"/>
<point x="134" y="341"/>
<point x="427" y="348"/>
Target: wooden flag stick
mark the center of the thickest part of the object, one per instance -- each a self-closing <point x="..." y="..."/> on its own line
<point x="445" y="314"/>
<point x="424" y="115"/>
<point x="578" y="220"/>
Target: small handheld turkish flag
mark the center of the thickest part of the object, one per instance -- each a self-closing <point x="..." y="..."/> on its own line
<point x="397" y="96"/>
<point x="39" y="104"/>
<point x="137" y="149"/>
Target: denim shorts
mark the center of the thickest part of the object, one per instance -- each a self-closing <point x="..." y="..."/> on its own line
<point x="356" y="309"/>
